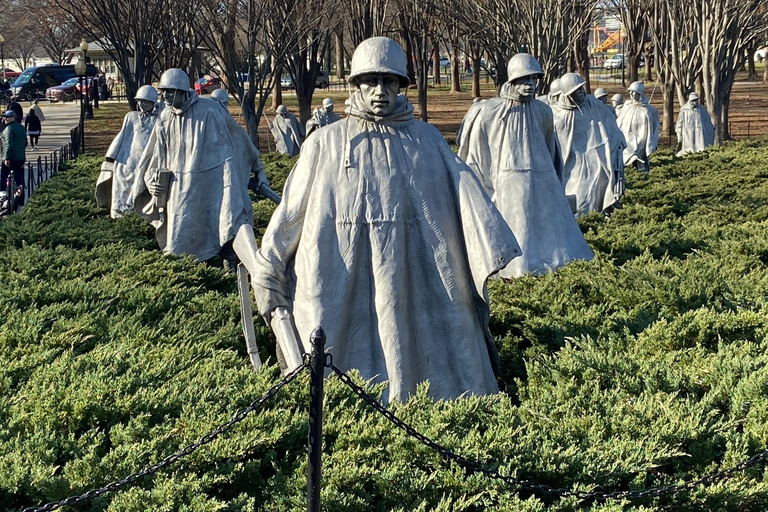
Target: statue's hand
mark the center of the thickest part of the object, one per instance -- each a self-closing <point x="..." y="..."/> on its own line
<point x="156" y="188"/>
<point x="107" y="166"/>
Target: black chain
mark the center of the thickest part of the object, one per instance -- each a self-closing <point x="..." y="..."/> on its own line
<point x="476" y="467"/>
<point x="154" y="468"/>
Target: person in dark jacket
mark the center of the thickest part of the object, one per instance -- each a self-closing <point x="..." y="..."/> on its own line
<point x="14" y="142"/>
<point x="33" y="125"/>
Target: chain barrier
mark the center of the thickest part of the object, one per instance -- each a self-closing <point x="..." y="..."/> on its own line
<point x="154" y="468"/>
<point x="476" y="467"/>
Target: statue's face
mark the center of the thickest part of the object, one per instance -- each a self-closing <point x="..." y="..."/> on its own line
<point x="146" y="106"/>
<point x="578" y="96"/>
<point x="525" y="86"/>
<point x="175" y="97"/>
<point x="693" y="101"/>
<point x="329" y="108"/>
<point x="603" y="100"/>
<point x="379" y="92"/>
<point x="634" y="96"/>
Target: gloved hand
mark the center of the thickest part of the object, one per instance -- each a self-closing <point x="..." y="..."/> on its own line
<point x="156" y="189"/>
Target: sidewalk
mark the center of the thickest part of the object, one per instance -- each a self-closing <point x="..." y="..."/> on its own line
<point x="59" y="120"/>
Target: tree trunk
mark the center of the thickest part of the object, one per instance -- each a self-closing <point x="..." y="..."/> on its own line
<point x="340" y="72"/>
<point x="476" y="75"/>
<point x="648" y="68"/>
<point x="409" y="57"/>
<point x="456" y="68"/>
<point x="751" y="64"/>
<point x="248" y="107"/>
<point x="632" y="62"/>
<point x="668" y="112"/>
<point x="501" y="71"/>
<point x="436" y="63"/>
<point x="581" y="53"/>
<point x="724" y="116"/>
<point x="699" y="87"/>
<point x="277" y="91"/>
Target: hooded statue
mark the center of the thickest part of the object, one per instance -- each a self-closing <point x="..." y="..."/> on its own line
<point x="118" y="172"/>
<point x="192" y="179"/>
<point x="511" y="144"/>
<point x="385" y="239"/>
<point x="322" y="116"/>
<point x="592" y="147"/>
<point x="695" y="131"/>
<point x="640" y="123"/>
<point x="287" y="131"/>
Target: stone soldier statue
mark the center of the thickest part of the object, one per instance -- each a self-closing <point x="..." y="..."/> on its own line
<point x="592" y="147"/>
<point x="695" y="131"/>
<point x="554" y="92"/>
<point x="222" y="97"/>
<point x="601" y="95"/>
<point x="322" y="116"/>
<point x="617" y="101"/>
<point x="640" y="123"/>
<point x="386" y="239"/>
<point x="287" y="131"/>
<point x="192" y="179"/>
<point x="118" y="172"/>
<point x="511" y="144"/>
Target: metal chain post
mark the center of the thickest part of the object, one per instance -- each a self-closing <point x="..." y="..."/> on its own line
<point x="315" y="444"/>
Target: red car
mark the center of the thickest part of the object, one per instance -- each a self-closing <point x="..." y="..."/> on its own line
<point x="207" y="85"/>
<point x="68" y="91"/>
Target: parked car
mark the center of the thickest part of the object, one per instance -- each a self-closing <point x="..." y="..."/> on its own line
<point x="35" y="81"/>
<point x="207" y="85"/>
<point x="65" y="92"/>
<point x="615" y="62"/>
<point x="445" y="62"/>
<point x="321" y="82"/>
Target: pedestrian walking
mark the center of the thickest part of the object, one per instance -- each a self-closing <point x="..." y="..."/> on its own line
<point x="14" y="141"/>
<point x="32" y="124"/>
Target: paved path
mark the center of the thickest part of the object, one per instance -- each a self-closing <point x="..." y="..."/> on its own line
<point x="59" y="120"/>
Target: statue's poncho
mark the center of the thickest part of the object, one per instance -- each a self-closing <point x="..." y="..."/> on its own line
<point x="512" y="147"/>
<point x="211" y="158"/>
<point x="592" y="146"/>
<point x="639" y="122"/>
<point x="319" y="119"/>
<point x="288" y="134"/>
<point x="694" y="129"/>
<point x="386" y="239"/>
<point x="125" y="150"/>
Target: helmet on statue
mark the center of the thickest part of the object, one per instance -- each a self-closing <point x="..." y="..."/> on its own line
<point x="147" y="93"/>
<point x="600" y="93"/>
<point x="379" y="55"/>
<point x="637" y="87"/>
<point x="570" y="82"/>
<point x="221" y="96"/>
<point x="174" y="78"/>
<point x="523" y="64"/>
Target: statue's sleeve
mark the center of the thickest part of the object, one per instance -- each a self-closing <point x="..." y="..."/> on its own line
<point x="273" y="280"/>
<point x="114" y="148"/>
<point x="553" y="144"/>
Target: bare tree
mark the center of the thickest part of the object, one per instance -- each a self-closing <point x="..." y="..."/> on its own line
<point x="417" y="24"/>
<point x="55" y="31"/>
<point x="725" y="28"/>
<point x="634" y="20"/>
<point x="133" y="35"/>
<point x="20" y="33"/>
<point x="367" y="18"/>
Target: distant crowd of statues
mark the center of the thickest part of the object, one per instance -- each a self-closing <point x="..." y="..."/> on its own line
<point x="383" y="235"/>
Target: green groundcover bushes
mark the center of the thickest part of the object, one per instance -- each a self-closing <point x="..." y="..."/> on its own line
<point x="643" y="368"/>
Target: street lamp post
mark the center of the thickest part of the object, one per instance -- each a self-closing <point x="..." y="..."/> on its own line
<point x="84" y="88"/>
<point x="81" y="69"/>
<point x="2" y="54"/>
